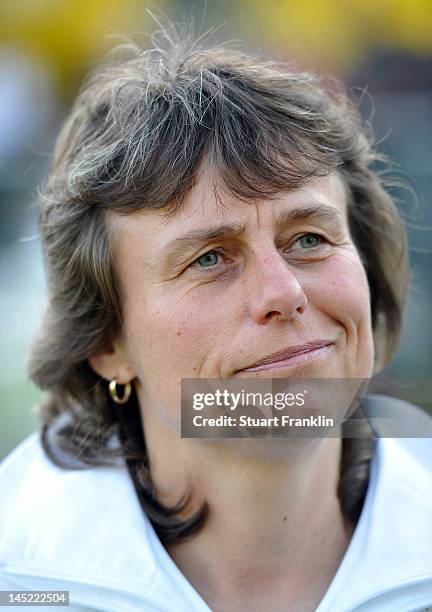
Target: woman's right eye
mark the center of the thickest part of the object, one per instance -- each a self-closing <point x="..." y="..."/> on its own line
<point x="208" y="259"/>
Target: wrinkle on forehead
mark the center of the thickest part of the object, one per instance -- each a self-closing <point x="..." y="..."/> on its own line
<point x="211" y="200"/>
<point x="209" y="193"/>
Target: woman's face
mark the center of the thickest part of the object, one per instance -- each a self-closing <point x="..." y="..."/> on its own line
<point x="219" y="287"/>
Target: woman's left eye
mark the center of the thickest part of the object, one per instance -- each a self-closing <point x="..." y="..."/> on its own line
<point x="309" y="241"/>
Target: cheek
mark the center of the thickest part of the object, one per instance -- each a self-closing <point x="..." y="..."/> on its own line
<point x="173" y="330"/>
<point x="343" y="290"/>
<point x="344" y="297"/>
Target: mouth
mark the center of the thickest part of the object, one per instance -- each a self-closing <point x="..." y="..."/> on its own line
<point x="291" y="356"/>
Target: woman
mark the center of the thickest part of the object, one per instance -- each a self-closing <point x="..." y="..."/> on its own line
<point x="213" y="215"/>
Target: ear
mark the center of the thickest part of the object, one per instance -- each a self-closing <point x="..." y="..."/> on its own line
<point x="113" y="363"/>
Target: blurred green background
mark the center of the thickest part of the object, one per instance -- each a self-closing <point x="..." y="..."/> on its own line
<point x="46" y="47"/>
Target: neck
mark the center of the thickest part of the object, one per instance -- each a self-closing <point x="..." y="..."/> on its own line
<point x="275" y="527"/>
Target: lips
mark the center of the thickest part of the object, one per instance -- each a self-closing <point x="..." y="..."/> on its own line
<point x="289" y="352"/>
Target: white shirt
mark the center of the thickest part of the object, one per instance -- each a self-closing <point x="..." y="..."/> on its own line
<point x="84" y="531"/>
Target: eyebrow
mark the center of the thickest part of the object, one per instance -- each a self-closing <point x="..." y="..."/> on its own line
<point x="197" y="237"/>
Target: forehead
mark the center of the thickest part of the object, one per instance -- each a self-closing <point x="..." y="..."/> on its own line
<point x="205" y="205"/>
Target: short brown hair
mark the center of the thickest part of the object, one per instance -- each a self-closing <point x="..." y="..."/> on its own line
<point x="134" y="139"/>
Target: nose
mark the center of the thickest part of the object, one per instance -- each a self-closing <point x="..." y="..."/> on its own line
<point x="275" y="291"/>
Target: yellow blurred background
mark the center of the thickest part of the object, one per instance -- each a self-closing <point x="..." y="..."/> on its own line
<point x="67" y="35"/>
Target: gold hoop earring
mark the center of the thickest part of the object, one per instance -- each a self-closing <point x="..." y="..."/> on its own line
<point x="113" y="392"/>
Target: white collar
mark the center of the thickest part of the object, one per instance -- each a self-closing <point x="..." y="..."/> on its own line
<point x="87" y="527"/>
